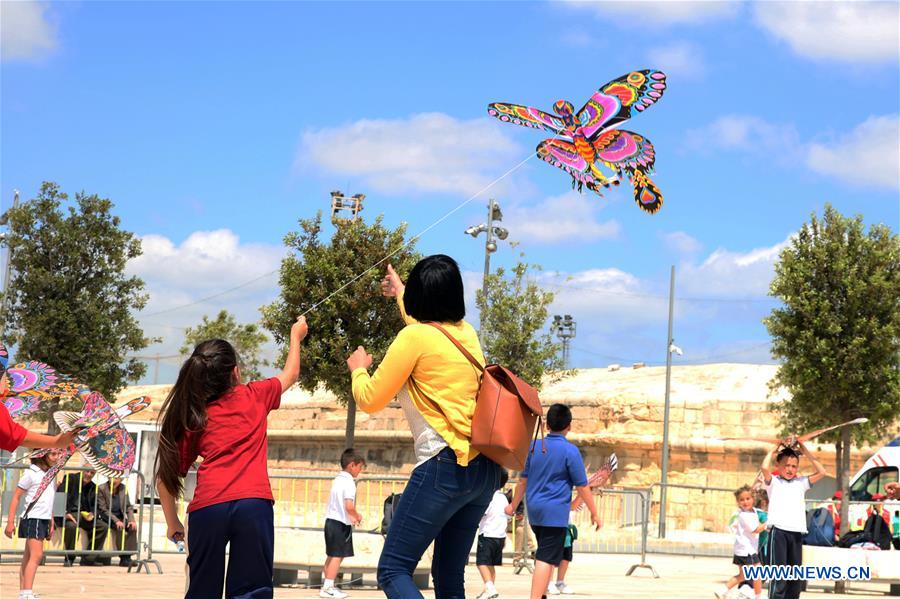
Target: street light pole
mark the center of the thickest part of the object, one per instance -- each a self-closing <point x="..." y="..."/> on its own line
<point x="564" y="327"/>
<point x="665" y="444"/>
<point x="490" y="246"/>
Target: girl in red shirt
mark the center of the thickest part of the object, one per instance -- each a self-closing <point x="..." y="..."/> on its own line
<point x="210" y="414"/>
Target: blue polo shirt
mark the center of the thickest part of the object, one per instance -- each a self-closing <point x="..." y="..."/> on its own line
<point x="551" y="476"/>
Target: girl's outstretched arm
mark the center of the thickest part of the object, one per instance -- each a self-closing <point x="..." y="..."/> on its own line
<point x="291" y="371"/>
<point x="37" y="440"/>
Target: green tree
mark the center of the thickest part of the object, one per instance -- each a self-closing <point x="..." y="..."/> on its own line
<point x="838" y="332"/>
<point x="247" y="340"/>
<point x="330" y="278"/>
<point x="514" y="315"/>
<point x="69" y="302"/>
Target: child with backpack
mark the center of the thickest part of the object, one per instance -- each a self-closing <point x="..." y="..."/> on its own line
<point x="340" y="518"/>
<point x="491" y="539"/>
<point x="554" y="466"/>
<point x="37" y="524"/>
<point x="746" y="527"/>
<point x="787" y="513"/>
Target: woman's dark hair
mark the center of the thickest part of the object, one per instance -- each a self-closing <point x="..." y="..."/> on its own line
<point x="504" y="478"/>
<point x="786" y="452"/>
<point x="434" y="290"/>
<point x="203" y="378"/>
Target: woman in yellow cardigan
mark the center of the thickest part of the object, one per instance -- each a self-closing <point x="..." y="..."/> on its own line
<point x="452" y="484"/>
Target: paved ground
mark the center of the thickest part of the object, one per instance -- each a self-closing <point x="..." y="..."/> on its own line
<point x="591" y="576"/>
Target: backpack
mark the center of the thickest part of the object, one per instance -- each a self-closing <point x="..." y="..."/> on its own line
<point x="877" y="530"/>
<point x="390" y="507"/>
<point x="820" y="527"/>
<point x="508" y="412"/>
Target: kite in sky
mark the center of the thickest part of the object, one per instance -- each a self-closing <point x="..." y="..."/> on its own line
<point x="588" y="139"/>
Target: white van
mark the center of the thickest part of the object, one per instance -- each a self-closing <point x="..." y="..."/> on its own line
<point x="879" y="470"/>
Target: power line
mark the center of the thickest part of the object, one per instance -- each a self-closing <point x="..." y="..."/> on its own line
<point x="215" y="295"/>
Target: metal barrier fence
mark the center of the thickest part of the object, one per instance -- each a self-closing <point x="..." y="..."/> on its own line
<point x="85" y="526"/>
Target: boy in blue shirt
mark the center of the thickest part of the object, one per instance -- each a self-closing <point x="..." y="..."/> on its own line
<point x="553" y="467"/>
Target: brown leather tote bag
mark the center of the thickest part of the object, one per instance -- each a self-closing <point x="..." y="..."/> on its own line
<point x="508" y="412"/>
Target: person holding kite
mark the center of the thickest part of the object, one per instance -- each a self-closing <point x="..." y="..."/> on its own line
<point x="210" y="414"/>
<point x="787" y="510"/>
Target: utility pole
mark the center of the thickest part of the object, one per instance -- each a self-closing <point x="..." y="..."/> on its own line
<point x="670" y="343"/>
<point x="490" y="246"/>
<point x="7" y="269"/>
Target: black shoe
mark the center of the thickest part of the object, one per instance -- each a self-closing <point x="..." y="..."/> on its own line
<point x="104" y="561"/>
<point x="88" y="562"/>
<point x="68" y="562"/>
<point x="126" y="562"/>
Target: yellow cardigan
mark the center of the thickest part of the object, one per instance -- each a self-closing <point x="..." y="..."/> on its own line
<point x="440" y="370"/>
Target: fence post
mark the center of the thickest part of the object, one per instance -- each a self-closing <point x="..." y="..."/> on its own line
<point x="645" y="530"/>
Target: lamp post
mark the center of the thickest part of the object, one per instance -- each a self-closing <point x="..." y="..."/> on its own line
<point x="340" y="203"/>
<point x="490" y="246"/>
<point x="671" y="348"/>
<point x="564" y="328"/>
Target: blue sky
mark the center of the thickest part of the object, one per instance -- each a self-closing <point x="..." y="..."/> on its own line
<point x="214" y="126"/>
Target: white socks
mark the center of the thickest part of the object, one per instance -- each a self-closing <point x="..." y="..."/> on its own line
<point x="328" y="584"/>
<point x="489" y="587"/>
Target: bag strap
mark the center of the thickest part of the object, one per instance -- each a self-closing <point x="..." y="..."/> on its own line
<point x="458" y="345"/>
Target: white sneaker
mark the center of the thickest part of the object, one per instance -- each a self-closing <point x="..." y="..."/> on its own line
<point x="552" y="589"/>
<point x="333" y="592"/>
<point x="564" y="589"/>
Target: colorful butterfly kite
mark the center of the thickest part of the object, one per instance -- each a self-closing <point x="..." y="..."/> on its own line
<point x="587" y="139"/>
<point x="102" y="438"/>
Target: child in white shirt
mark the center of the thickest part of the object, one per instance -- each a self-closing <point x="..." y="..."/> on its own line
<point x="340" y="518"/>
<point x="37" y="524"/>
<point x="787" y="513"/>
<point x="492" y="538"/>
<point x="746" y="527"/>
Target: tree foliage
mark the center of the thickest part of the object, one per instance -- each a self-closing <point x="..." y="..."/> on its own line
<point x="344" y="317"/>
<point x="247" y="340"/>
<point x="70" y="303"/>
<point x="513" y="316"/>
<point x="838" y="332"/>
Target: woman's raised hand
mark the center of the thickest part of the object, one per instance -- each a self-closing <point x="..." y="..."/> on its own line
<point x="359" y="359"/>
<point x="391" y="285"/>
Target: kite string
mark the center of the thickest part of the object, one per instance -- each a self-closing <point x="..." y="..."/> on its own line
<point x="416" y="237"/>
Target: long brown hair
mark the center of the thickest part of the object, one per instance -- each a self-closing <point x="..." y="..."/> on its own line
<point x="203" y="378"/>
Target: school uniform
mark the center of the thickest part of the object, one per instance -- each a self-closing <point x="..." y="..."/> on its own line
<point x="233" y="501"/>
<point x="36" y="523"/>
<point x="338" y="527"/>
<point x="746" y="540"/>
<point x="551" y="475"/>
<point x="787" y="523"/>
<point x="492" y="532"/>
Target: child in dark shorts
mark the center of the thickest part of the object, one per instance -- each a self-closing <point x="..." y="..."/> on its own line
<point x="554" y="466"/>
<point x="491" y="539"/>
<point x="746" y="526"/>
<point x="340" y="518"/>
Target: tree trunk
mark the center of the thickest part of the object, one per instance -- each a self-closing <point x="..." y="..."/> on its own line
<point x="350" y="433"/>
<point x="842" y="461"/>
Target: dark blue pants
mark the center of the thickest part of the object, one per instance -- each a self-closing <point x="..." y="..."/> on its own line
<point x="443" y="502"/>
<point x="248" y="526"/>
<point x="785" y="548"/>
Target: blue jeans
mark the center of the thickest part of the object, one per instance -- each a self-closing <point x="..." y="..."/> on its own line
<point x="443" y="502"/>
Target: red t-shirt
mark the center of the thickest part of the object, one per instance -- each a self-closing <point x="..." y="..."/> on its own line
<point x="11" y="433"/>
<point x="233" y="446"/>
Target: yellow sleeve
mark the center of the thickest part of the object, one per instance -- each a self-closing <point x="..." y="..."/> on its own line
<point x="372" y="393"/>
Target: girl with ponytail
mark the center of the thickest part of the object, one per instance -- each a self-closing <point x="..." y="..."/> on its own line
<point x="210" y="414"/>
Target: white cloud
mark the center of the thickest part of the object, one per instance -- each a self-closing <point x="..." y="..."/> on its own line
<point x="844" y="31"/>
<point x="564" y="218"/>
<point x="25" y="30"/>
<point x="680" y="60"/>
<point x="746" y="133"/>
<point x="729" y="274"/>
<point x="682" y="243"/>
<point x="656" y="12"/>
<point x="204" y="264"/>
<point x="430" y="152"/>
<point x="869" y="155"/>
